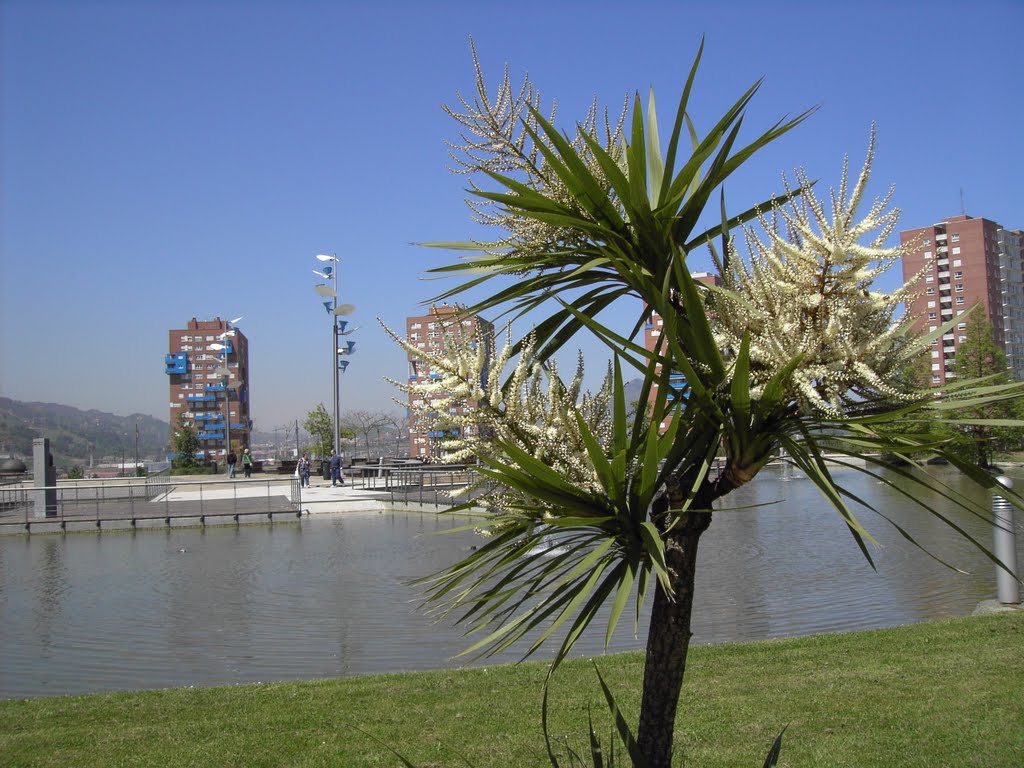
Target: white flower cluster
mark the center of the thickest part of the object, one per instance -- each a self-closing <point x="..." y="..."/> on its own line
<point x="496" y="137"/>
<point x="533" y="409"/>
<point x="808" y="292"/>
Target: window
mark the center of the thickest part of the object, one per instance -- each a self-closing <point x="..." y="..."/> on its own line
<point x="935" y="367"/>
<point x="955" y="237"/>
<point x="929" y="278"/>
<point x="931" y="315"/>
<point x="414" y="326"/>
<point x="927" y="255"/>
<point x="959" y="299"/>
<point x="961" y="326"/>
<point x="931" y="305"/>
<point x="935" y="353"/>
<point x="935" y="379"/>
<point x="961" y="339"/>
<point x="209" y="338"/>
<point x="958" y="275"/>
<point x="927" y="241"/>
<point x="932" y="328"/>
<point x="956" y="249"/>
<point x="957" y="263"/>
<point x="930" y="291"/>
<point x="959" y="288"/>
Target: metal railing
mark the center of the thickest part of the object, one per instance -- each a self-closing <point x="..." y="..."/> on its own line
<point x="414" y="484"/>
<point x="124" y="504"/>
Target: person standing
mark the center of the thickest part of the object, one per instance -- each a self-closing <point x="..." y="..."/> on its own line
<point x="336" y="479"/>
<point x="232" y="460"/>
<point x="303" y="470"/>
<point x="246" y="462"/>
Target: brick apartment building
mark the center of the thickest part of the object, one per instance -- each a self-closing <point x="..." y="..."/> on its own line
<point x="207" y="366"/>
<point x="965" y="260"/>
<point x="429" y="332"/>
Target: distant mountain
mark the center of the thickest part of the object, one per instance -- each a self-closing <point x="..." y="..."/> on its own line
<point x="75" y="434"/>
<point x="631" y="389"/>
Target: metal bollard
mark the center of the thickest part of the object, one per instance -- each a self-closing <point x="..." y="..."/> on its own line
<point x="1005" y="547"/>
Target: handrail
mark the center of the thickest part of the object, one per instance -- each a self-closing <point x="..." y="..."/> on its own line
<point x="118" y="503"/>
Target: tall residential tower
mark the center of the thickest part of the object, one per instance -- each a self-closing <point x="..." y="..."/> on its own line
<point x="208" y="369"/>
<point x="962" y="261"/>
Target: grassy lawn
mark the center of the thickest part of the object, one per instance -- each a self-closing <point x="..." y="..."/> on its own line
<point x="944" y="693"/>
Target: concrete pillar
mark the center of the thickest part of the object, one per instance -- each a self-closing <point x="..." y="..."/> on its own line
<point x="1005" y="547"/>
<point x="44" y="478"/>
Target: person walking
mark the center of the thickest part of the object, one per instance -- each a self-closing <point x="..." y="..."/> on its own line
<point x="246" y="462"/>
<point x="232" y="460"/>
<point x="336" y="478"/>
<point x="303" y="471"/>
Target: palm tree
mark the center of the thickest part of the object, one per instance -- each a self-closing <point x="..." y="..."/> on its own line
<point x="590" y="220"/>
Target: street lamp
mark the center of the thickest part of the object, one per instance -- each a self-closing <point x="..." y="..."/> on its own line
<point x="329" y="272"/>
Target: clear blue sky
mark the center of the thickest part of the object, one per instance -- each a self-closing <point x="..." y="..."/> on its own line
<point x="164" y="160"/>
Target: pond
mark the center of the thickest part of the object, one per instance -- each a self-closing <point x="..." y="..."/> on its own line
<point x="328" y="596"/>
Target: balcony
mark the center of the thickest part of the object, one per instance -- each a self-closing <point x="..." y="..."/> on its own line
<point x="215" y="387"/>
<point x="176" y="363"/>
<point x="210" y="435"/>
<point x="200" y="398"/>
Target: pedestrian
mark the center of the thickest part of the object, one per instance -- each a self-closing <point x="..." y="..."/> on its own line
<point x="336" y="478"/>
<point x="247" y="462"/>
<point x="303" y="470"/>
<point x="232" y="460"/>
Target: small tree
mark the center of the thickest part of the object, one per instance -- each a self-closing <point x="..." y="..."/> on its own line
<point x="320" y="426"/>
<point x="75" y="472"/>
<point x="366" y="423"/>
<point x="979" y="357"/>
<point x="186" y="445"/>
<point x="795" y="351"/>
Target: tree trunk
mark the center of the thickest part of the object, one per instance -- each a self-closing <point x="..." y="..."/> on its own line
<point x="668" y="642"/>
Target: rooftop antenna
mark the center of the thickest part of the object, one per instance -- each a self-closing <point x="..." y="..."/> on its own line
<point x="963" y="208"/>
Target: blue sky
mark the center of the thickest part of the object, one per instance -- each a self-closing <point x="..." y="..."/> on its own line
<point x="164" y="160"/>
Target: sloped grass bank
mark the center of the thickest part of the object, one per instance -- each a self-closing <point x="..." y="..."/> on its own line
<point x="940" y="693"/>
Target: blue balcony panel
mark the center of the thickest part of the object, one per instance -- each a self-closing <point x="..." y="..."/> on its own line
<point x="210" y="435"/>
<point x="200" y="398"/>
<point x="176" y="363"/>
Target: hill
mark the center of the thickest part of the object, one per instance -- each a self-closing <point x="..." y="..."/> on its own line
<point x="76" y="434"/>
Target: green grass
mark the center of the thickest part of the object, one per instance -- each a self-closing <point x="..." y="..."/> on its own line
<point x="943" y="693"/>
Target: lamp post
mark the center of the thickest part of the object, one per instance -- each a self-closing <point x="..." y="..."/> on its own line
<point x="329" y="272"/>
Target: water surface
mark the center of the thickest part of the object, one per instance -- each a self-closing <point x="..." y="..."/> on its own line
<point x="329" y="596"/>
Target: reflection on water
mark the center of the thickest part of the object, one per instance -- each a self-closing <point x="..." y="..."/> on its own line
<point x="328" y="596"/>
